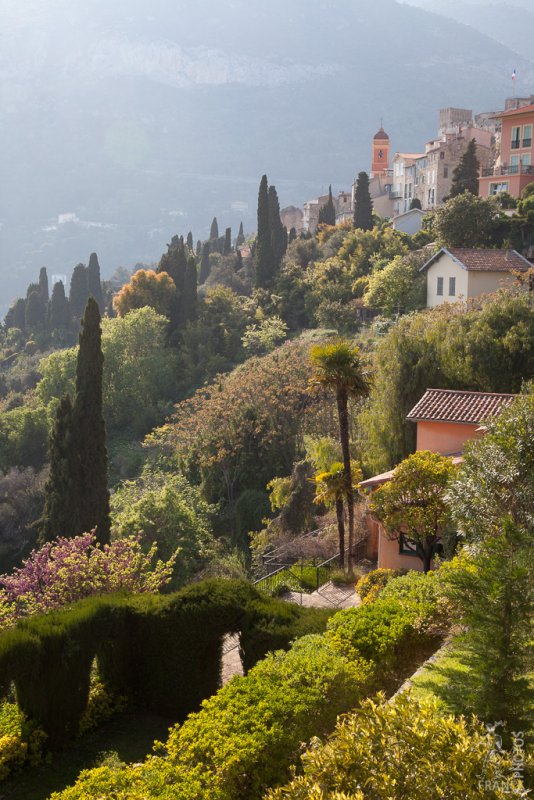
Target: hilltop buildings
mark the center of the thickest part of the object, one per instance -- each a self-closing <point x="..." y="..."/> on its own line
<point x="514" y="166"/>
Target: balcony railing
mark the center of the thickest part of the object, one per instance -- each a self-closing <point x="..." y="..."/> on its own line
<point x="515" y="169"/>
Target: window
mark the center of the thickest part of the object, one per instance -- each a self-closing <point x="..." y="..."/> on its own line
<point x="439" y="291"/>
<point x="445" y="172"/>
<point x="442" y="155"/>
<point x="407" y="547"/>
<point x="514" y="165"/>
<point x="526" y="160"/>
<point x="516" y="137"/>
<point x="452" y="287"/>
<point x="495" y="188"/>
<point x="527" y="135"/>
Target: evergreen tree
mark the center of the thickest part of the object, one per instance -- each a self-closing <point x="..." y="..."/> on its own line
<point x="43" y="285"/>
<point x="19" y="314"/>
<point x="89" y="431"/>
<point x="228" y="242"/>
<point x="59" y="312"/>
<point x="363" y="205"/>
<point x="79" y="291"/>
<point x="60" y="516"/>
<point x="292" y="235"/>
<point x="416" y="203"/>
<point x="190" y="241"/>
<point x="205" y="265"/>
<point x="240" y="236"/>
<point x="94" y="284"/>
<point x="327" y="213"/>
<point x="465" y="176"/>
<point x="199" y="248"/>
<point x="264" y="257"/>
<point x="33" y="287"/>
<point x="214" y="231"/>
<point x="35" y="312"/>
<point x="278" y="231"/>
<point x="188" y="306"/>
<point x="174" y="263"/>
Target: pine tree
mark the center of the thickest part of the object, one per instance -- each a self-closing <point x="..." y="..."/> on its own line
<point x="89" y="429"/>
<point x="190" y="241"/>
<point x="60" y="516"/>
<point x="240" y="236"/>
<point x="35" y="312"/>
<point x="264" y="257"/>
<point x="363" y="205"/>
<point x="465" y="176"/>
<point x="278" y="231"/>
<point x="43" y="285"/>
<point x="327" y="213"/>
<point x="79" y="291"/>
<point x="19" y="314"/>
<point x="214" y="231"/>
<point x="59" y="312"/>
<point x="205" y="265"/>
<point x="228" y="242"/>
<point x="94" y="284"/>
<point x="188" y="306"/>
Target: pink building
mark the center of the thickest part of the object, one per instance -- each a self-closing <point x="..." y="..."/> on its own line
<point x="446" y="419"/>
<point x="515" y="166"/>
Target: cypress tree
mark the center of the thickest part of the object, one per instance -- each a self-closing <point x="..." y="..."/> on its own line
<point x="188" y="305"/>
<point x="205" y="264"/>
<point x="327" y="213"/>
<point x="43" y="285"/>
<point x="89" y="429"/>
<point x="228" y="242"/>
<point x="174" y="263"/>
<point x="264" y="257"/>
<point x="59" y="312"/>
<point x="278" y="231"/>
<point x="465" y="176"/>
<point x="94" y="284"/>
<point x="363" y="205"/>
<point x="79" y="291"/>
<point x="190" y="241"/>
<point x="416" y="203"/>
<point x="60" y="516"/>
<point x="292" y="235"/>
<point x="214" y="231"/>
<point x="199" y="249"/>
<point x="33" y="287"/>
<point x="35" y="312"/>
<point x="19" y="314"/>
<point x="240" y="236"/>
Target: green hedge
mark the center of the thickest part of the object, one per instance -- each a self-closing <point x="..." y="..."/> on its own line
<point x="162" y="652"/>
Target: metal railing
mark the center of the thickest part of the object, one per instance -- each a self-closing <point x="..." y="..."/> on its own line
<point x="513" y="169"/>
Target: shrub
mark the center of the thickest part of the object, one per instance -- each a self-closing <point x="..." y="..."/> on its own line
<point x="422" y="595"/>
<point x="395" y="751"/>
<point x="370" y="586"/>
<point x="19" y="742"/>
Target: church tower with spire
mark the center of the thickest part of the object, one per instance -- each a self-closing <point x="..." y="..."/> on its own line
<point x="381" y="153"/>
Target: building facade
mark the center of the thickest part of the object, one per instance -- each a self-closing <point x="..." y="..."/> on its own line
<point x="514" y="168"/>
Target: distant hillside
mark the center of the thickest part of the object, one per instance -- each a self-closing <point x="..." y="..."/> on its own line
<point x="125" y="122"/>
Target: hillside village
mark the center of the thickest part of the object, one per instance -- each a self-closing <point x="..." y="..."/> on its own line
<point x="270" y="499"/>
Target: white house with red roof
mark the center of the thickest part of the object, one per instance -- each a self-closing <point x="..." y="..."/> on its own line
<point x="459" y="273"/>
<point x="446" y="419"/>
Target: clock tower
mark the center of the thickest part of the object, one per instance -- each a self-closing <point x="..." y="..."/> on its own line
<point x="381" y="148"/>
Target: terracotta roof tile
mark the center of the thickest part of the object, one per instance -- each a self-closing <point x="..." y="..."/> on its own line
<point x="490" y="260"/>
<point x="521" y="110"/>
<point x="448" y="405"/>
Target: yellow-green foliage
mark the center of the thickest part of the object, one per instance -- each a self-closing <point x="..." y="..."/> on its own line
<point x="404" y="751"/>
<point x="19" y="743"/>
<point x="370" y="586"/>
<point x="102" y="705"/>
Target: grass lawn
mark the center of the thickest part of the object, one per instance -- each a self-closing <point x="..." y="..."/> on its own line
<point x="130" y="735"/>
<point x="438" y="678"/>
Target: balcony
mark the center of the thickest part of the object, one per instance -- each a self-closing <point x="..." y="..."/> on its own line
<point x="516" y="169"/>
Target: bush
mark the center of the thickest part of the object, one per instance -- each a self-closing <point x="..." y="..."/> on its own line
<point x="19" y="743"/>
<point x="395" y="751"/>
<point x="370" y="586"/>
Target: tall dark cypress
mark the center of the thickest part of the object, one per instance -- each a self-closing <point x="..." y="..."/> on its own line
<point x="60" y="516"/>
<point x="228" y="242"/>
<point x="363" y="205"/>
<point x="292" y="235"/>
<point x="327" y="213"/>
<point x="188" y="305"/>
<point x="198" y="250"/>
<point x="174" y="263"/>
<point x="89" y="428"/>
<point x="94" y="283"/>
<point x="59" y="312"/>
<point x="465" y="176"/>
<point x="35" y="313"/>
<point x="214" y="231"/>
<point x="205" y="265"/>
<point x="190" y="241"/>
<point x="19" y="314"/>
<point x="263" y="256"/>
<point x="43" y="285"/>
<point x="79" y="291"/>
<point x="278" y="231"/>
<point x="240" y="236"/>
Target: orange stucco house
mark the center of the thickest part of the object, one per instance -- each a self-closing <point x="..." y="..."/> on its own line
<point x="515" y="167"/>
<point x="445" y="419"/>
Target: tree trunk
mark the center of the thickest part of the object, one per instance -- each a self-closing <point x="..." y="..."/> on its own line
<point x="343" y="414"/>
<point x="426" y="558"/>
<point x="341" y="530"/>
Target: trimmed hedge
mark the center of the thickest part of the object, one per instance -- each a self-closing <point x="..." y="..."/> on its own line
<point x="161" y="652"/>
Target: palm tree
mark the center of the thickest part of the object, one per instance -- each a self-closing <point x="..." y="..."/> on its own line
<point x="330" y="490"/>
<point x="338" y="366"/>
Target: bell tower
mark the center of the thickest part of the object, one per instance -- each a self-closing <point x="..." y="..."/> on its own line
<point x="381" y="152"/>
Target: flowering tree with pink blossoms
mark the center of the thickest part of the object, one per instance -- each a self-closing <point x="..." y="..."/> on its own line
<point x="68" y="570"/>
